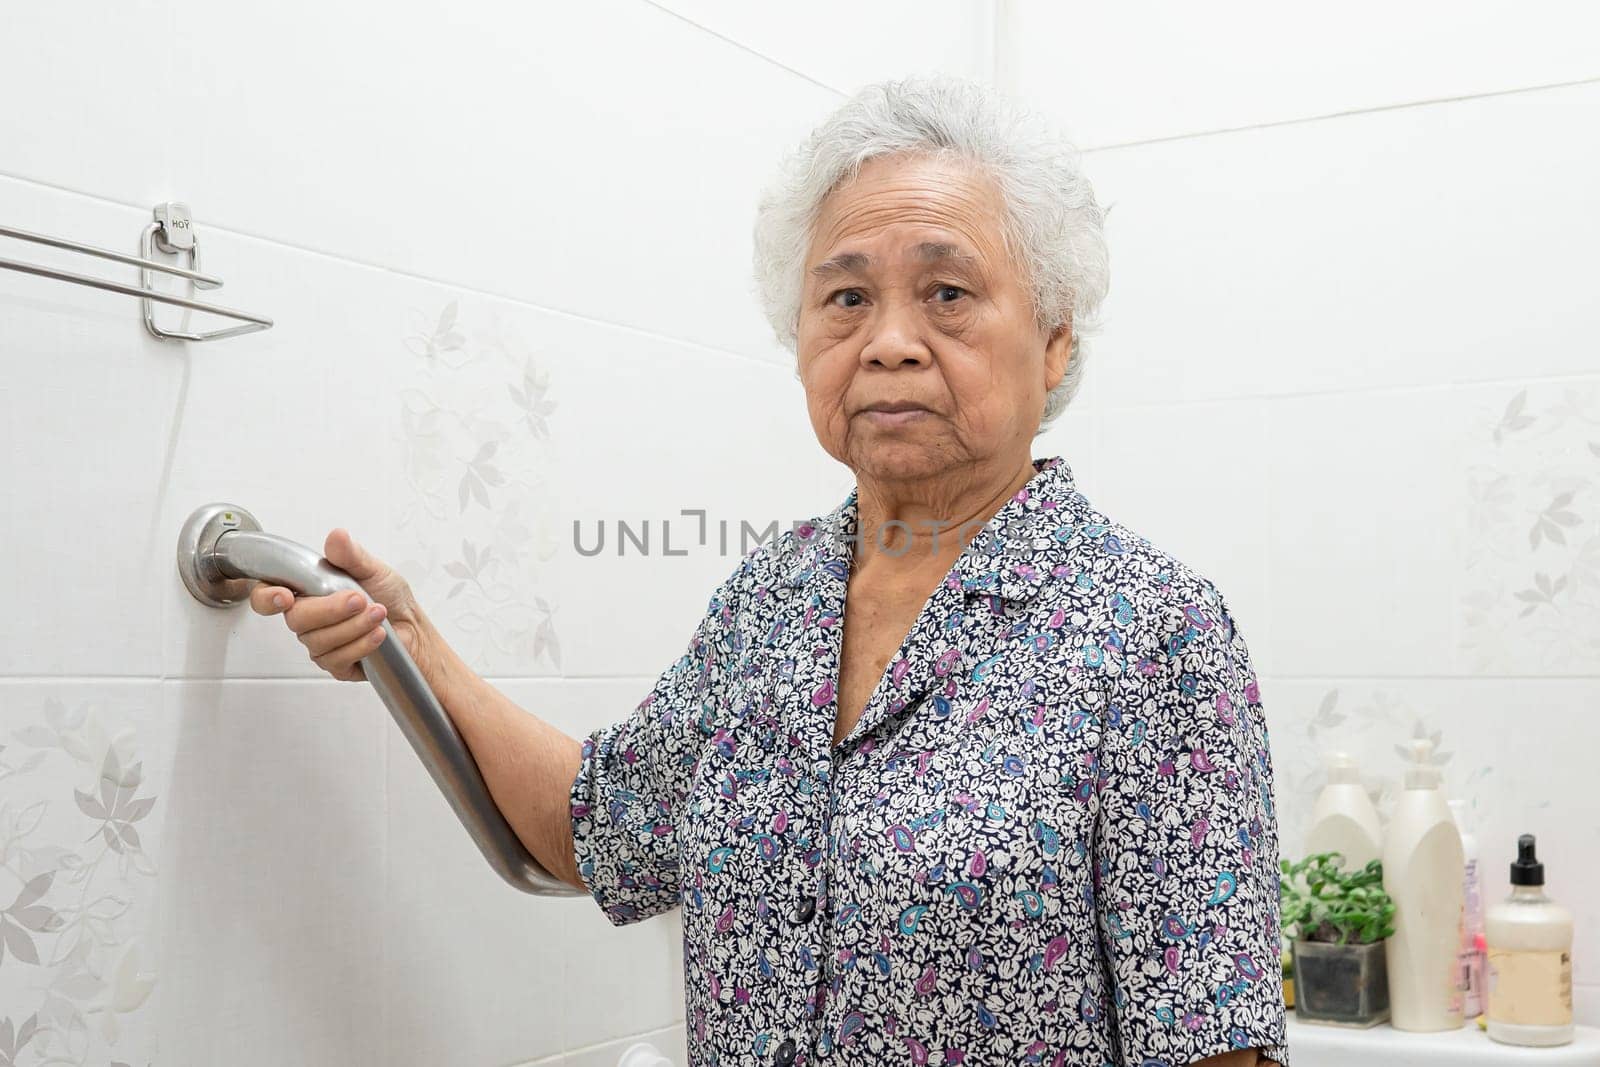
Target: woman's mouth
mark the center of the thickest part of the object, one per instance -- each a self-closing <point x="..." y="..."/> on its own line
<point x="898" y="414"/>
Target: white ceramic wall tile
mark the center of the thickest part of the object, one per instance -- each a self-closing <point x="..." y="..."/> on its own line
<point x="85" y="796"/>
<point x="1586" y="1004"/>
<point x="845" y="45"/>
<point x="1121" y="72"/>
<point x="272" y="938"/>
<point x="69" y="72"/>
<point x="561" y="155"/>
<point x="478" y="972"/>
<point x="1373" y="250"/>
<point x="1502" y="744"/>
<point x="87" y="420"/>
<point x="1089" y="389"/>
<point x="620" y="978"/>
<point x="1193" y="478"/>
<point x="475" y="421"/>
<point x="1530" y="597"/>
<point x="1435" y="532"/>
<point x="1364" y="538"/>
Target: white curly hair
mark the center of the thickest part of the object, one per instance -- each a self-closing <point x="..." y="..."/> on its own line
<point x="1053" y="225"/>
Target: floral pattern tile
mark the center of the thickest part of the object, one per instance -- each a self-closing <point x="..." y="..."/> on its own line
<point x="78" y="815"/>
<point x="1530" y="599"/>
<point x="475" y="533"/>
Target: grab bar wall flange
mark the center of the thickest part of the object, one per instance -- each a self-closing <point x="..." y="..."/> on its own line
<point x="222" y="553"/>
<point x="197" y="562"/>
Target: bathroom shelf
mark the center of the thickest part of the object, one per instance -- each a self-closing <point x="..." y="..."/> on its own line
<point x="1311" y="1045"/>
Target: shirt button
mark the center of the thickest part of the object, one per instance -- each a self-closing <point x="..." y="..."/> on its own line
<point x="805" y="910"/>
<point x="785" y="1055"/>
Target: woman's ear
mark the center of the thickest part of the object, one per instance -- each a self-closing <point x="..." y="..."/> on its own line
<point x="1057" y="354"/>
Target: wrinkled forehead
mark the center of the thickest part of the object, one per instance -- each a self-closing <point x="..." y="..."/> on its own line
<point x="909" y="211"/>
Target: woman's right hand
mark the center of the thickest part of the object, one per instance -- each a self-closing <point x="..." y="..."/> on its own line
<point x="341" y="629"/>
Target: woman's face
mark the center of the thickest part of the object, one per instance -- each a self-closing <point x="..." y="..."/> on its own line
<point x="911" y="299"/>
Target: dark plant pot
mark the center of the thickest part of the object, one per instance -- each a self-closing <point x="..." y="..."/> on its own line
<point x="1341" y="985"/>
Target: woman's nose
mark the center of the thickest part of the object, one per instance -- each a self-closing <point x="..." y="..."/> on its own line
<point x="895" y="337"/>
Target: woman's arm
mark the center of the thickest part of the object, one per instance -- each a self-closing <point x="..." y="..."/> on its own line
<point x="527" y="764"/>
<point x="1187" y="841"/>
<point x="608" y="800"/>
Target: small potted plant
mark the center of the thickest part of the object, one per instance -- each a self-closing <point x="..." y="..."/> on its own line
<point x="1337" y="920"/>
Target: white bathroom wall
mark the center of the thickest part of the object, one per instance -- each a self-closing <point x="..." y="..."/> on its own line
<point x="1349" y="371"/>
<point x="507" y="249"/>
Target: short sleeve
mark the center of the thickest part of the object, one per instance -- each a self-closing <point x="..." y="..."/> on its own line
<point x="1186" y="846"/>
<point x="635" y="775"/>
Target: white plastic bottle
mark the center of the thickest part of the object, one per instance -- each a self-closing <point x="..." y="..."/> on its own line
<point x="1422" y="869"/>
<point x="1471" y="960"/>
<point x="1530" y="959"/>
<point x="1343" y="819"/>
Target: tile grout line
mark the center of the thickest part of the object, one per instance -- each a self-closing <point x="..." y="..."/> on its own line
<point x="1354" y="390"/>
<point x="1298" y="120"/>
<point x="802" y="75"/>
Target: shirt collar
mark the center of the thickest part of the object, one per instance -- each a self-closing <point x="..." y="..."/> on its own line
<point x="1015" y="553"/>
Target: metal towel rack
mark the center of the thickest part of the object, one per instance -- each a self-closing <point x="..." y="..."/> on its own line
<point x="172" y="232"/>
<point x="221" y="552"/>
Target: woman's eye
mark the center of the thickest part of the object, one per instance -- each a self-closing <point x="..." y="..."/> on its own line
<point x="956" y="291"/>
<point x="846" y="293"/>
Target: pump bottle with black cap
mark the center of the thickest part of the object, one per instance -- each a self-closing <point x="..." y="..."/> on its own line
<point x="1530" y="959"/>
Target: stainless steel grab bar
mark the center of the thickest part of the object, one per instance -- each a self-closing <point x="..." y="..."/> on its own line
<point x="221" y="554"/>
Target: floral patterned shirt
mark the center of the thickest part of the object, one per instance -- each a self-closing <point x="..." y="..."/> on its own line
<point x="1050" y="838"/>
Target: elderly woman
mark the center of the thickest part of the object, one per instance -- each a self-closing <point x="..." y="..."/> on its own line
<point x="962" y="771"/>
